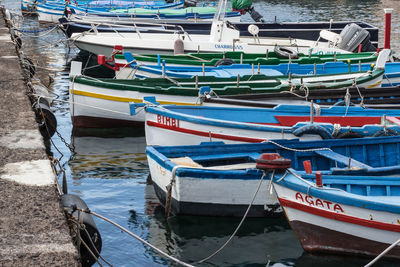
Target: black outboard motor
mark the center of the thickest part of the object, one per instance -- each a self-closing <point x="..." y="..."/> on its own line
<point x="94" y="239"/>
<point x="352" y="36"/>
<point x="255" y="15"/>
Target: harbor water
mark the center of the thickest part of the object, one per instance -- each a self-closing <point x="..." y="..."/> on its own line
<point x="110" y="174"/>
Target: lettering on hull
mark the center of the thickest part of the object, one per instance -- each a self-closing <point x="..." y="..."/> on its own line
<point x="319" y="203"/>
<point x="168" y="121"/>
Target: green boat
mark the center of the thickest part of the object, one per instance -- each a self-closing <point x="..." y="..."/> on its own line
<point x="103" y="102"/>
<point x="228" y="58"/>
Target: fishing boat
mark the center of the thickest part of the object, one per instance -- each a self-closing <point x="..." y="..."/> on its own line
<point x="301" y="30"/>
<point x="137" y="69"/>
<point x="378" y="98"/>
<point x="344" y="200"/>
<point x="51" y="12"/>
<point x="223" y="37"/>
<point x="218" y="179"/>
<point x="98" y="102"/>
<point x="190" y="125"/>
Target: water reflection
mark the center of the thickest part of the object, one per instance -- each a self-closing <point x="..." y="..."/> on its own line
<point x="191" y="238"/>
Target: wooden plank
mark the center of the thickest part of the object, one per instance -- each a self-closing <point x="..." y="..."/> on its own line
<point x="342" y="159"/>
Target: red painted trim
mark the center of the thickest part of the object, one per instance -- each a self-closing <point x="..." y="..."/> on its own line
<point x="344" y="121"/>
<point x="206" y="134"/>
<point x="339" y="217"/>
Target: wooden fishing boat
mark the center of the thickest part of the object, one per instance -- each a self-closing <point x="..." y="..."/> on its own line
<point x="345" y="200"/>
<point x="135" y="69"/>
<point x="378" y="98"/>
<point x="220" y="180"/>
<point x="123" y="62"/>
<point x="129" y="67"/>
<point x="301" y="30"/>
<point x="190" y="125"/>
<point x="52" y="11"/>
<point x="98" y="102"/>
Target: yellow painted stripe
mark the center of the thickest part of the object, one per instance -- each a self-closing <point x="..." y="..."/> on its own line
<point x="374" y="85"/>
<point x="124" y="99"/>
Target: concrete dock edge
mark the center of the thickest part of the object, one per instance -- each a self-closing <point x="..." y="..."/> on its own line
<point x="33" y="227"/>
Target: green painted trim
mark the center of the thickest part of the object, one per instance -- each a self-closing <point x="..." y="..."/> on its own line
<point x="210" y="59"/>
<point x="166" y="87"/>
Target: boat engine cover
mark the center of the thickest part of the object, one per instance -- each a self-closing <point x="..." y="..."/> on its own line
<point x="352" y="36"/>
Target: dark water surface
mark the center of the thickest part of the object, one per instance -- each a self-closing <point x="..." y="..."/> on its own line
<point x="110" y="173"/>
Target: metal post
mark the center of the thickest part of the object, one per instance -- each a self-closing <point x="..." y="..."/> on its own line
<point x="388" y="21"/>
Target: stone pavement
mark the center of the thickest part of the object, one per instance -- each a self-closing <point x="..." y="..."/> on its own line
<point x="33" y="227"/>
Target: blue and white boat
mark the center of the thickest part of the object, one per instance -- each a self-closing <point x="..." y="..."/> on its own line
<point x="53" y="11"/>
<point x="190" y="125"/>
<point x="221" y="180"/>
<point x="346" y="199"/>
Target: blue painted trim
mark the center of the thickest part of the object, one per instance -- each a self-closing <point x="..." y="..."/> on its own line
<point x="382" y="203"/>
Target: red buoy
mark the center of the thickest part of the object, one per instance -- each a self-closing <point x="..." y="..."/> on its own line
<point x="272" y="161"/>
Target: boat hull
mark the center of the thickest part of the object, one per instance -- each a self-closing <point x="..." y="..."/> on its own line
<point x="103" y="43"/>
<point x="322" y="225"/>
<point x="192" y="194"/>
<point x="96" y="107"/>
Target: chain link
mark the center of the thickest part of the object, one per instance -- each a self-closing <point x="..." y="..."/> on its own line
<point x="70" y="146"/>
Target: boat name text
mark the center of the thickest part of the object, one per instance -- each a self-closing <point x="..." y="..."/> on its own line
<point x="316" y="202"/>
<point x="228" y="46"/>
<point x="168" y="121"/>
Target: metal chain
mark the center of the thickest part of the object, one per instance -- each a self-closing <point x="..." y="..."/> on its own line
<point x="71" y="146"/>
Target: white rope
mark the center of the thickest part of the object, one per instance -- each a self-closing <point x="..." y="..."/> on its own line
<point x="75" y="103"/>
<point x="40" y="35"/>
<point x="139" y="238"/>
<point x="241" y="221"/>
<point x="296" y="150"/>
<point x="383" y="253"/>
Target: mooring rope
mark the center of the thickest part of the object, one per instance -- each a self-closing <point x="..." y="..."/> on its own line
<point x="137" y="237"/>
<point x="383" y="253"/>
<point x="86" y="105"/>
<point x="241" y="221"/>
<point x="36" y="31"/>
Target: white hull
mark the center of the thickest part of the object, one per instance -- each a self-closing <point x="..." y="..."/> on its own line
<point x="92" y="102"/>
<point x="103" y="43"/>
<point x="181" y="132"/>
<point x="335" y="221"/>
<point x="209" y="191"/>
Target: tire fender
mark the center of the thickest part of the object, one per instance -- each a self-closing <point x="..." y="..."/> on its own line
<point x="225" y="62"/>
<point x="285" y="52"/>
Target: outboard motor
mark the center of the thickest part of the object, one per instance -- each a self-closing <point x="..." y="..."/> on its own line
<point x="257" y="17"/>
<point x="352" y="36"/>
